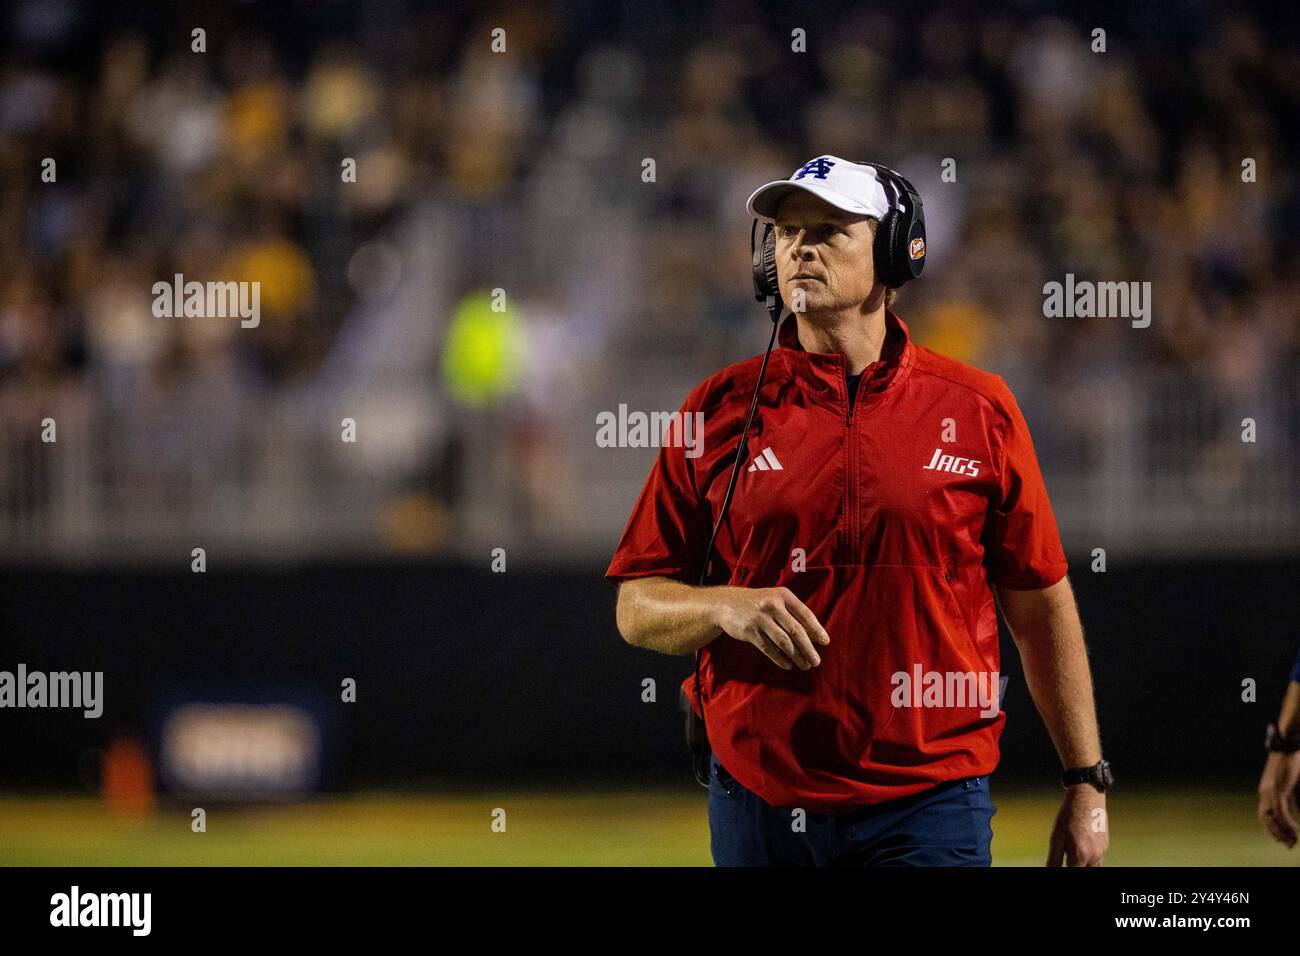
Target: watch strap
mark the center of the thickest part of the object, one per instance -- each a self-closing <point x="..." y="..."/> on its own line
<point x="1098" y="775"/>
<point x="1277" y="742"/>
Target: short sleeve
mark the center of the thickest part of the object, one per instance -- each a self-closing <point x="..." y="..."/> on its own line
<point x="1022" y="545"/>
<point x="1295" y="670"/>
<point x="670" y="523"/>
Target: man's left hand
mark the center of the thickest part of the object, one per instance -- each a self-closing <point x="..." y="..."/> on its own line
<point x="1081" y="833"/>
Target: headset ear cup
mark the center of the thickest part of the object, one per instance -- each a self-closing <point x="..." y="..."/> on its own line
<point x="757" y="251"/>
<point x="903" y="227"/>
<point x="773" y="282"/>
<point x="899" y="249"/>
<point x="912" y="250"/>
<point x="766" y="283"/>
<point x="885" y="250"/>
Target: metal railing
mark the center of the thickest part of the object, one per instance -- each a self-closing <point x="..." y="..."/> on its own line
<point x="1164" y="471"/>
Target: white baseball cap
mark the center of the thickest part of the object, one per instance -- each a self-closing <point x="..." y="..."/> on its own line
<point x="853" y="187"/>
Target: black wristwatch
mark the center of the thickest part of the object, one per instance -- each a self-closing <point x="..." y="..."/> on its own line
<point x="1098" y="775"/>
<point x="1276" y="742"/>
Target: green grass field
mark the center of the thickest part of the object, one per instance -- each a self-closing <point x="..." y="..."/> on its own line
<point x="575" y="829"/>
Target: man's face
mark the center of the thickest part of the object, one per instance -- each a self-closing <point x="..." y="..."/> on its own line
<point x="823" y="253"/>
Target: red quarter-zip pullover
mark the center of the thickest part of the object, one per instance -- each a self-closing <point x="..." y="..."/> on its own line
<point x="889" y="518"/>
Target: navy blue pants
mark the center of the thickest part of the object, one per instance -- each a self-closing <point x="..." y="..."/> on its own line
<point x="947" y="825"/>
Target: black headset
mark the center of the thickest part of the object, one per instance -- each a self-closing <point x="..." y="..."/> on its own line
<point x="899" y="255"/>
<point x="898" y="250"/>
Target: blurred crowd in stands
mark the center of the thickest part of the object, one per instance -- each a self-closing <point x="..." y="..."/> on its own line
<point x="528" y="166"/>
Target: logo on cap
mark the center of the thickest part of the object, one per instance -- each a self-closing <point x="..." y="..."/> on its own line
<point x="818" y="168"/>
<point x="918" y="248"/>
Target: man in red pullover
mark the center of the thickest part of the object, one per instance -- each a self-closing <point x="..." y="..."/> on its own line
<point x="848" y="631"/>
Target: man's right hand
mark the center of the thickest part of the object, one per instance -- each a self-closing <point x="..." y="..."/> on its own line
<point x="774" y="621"/>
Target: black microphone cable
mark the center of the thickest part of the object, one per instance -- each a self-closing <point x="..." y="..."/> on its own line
<point x="699" y="738"/>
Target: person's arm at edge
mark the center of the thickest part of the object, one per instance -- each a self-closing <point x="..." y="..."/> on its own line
<point x="1288" y="720"/>
<point x="1280" y="781"/>
<point x="1045" y="626"/>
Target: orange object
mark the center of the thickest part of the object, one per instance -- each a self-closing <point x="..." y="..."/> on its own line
<point x="128" y="779"/>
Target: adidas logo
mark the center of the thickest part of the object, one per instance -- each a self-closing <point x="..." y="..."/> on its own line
<point x="766" y="461"/>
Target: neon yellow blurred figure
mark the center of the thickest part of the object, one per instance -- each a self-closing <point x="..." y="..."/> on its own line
<point x="483" y="359"/>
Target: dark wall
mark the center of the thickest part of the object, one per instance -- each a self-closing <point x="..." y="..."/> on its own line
<point x="466" y="675"/>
